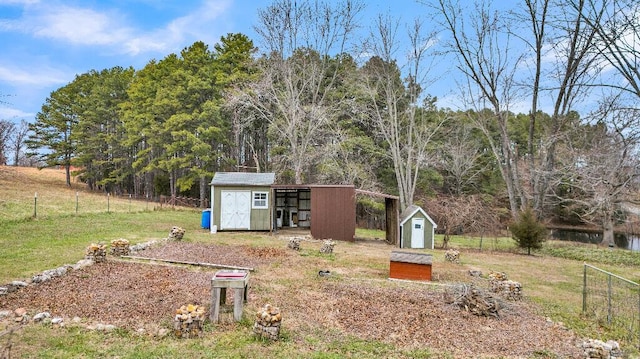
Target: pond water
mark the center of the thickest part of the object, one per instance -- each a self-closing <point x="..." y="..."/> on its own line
<point x="622" y="240"/>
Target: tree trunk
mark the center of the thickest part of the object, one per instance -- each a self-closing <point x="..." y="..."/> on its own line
<point x="67" y="172"/>
<point x="203" y="191"/>
<point x="607" y="230"/>
<point x="172" y="184"/>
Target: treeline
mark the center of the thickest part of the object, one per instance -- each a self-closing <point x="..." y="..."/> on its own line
<point x="314" y="110"/>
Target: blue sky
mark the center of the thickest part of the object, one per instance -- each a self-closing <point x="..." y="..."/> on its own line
<point x="46" y="43"/>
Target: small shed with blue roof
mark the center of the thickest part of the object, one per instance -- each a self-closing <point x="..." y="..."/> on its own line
<point x="241" y="201"/>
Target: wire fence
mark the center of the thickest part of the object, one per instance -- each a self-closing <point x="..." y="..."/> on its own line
<point x="612" y="301"/>
<point x="56" y="203"/>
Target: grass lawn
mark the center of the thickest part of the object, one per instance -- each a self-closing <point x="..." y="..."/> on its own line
<point x="551" y="277"/>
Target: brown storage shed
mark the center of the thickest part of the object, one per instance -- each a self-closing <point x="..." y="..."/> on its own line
<point x="251" y="201"/>
<point x="333" y="212"/>
<point x="329" y="211"/>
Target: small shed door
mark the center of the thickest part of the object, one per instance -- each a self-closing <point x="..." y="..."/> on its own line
<point x="235" y="209"/>
<point x="417" y="233"/>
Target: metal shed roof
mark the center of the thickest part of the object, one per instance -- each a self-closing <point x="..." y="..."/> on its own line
<point x="411" y="257"/>
<point x="410" y="211"/>
<point x="243" y="178"/>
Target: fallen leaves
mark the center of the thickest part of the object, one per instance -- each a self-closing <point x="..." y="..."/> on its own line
<point x="133" y="295"/>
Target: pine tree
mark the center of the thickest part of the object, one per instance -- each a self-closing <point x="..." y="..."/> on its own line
<point x="527" y="231"/>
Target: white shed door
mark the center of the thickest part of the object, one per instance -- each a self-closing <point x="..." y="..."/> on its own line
<point x="417" y="233"/>
<point x="235" y="209"/>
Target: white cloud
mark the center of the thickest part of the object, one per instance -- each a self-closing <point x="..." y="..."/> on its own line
<point x="196" y="25"/>
<point x="7" y="113"/>
<point x="73" y="25"/>
<point x="18" y="2"/>
<point x="80" y="26"/>
<point x="41" y="77"/>
<point x="88" y="27"/>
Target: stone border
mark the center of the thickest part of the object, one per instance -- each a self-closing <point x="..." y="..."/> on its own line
<point x="64" y="269"/>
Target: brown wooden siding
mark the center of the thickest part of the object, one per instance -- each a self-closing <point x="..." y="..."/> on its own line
<point x="333" y="212"/>
<point x="410" y="271"/>
<point x="392" y="208"/>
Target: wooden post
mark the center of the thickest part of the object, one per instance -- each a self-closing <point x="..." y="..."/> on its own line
<point x="214" y="316"/>
<point x="237" y="280"/>
<point x="238" y="299"/>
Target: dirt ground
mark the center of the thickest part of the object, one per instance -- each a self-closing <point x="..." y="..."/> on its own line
<point x="142" y="296"/>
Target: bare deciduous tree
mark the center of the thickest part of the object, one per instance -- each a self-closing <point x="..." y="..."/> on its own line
<point x="461" y="160"/>
<point x="616" y="24"/>
<point x="462" y="214"/>
<point x="605" y="167"/>
<point x="7" y="128"/>
<point x="349" y="160"/>
<point x="304" y="42"/>
<point x="18" y="141"/>
<point x="562" y="65"/>
<point x="482" y="46"/>
<point x="563" y="34"/>
<point x="393" y="107"/>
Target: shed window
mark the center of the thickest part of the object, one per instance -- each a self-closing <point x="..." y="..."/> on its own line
<point x="260" y="200"/>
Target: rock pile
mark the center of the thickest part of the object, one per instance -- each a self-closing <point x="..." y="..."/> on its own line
<point x="473" y="300"/>
<point x="96" y="252"/>
<point x="327" y="246"/>
<point x="12" y="287"/>
<point x="596" y="349"/>
<point x="452" y="255"/>
<point x="21" y="316"/>
<point x="44" y="276"/>
<point x="51" y="273"/>
<point x="294" y="243"/>
<point x="268" y="320"/>
<point x="176" y="233"/>
<point x="120" y="247"/>
<point x="498" y="283"/>
<point x="144" y="245"/>
<point x="188" y="322"/>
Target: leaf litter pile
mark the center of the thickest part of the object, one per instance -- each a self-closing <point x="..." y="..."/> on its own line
<point x="409" y="315"/>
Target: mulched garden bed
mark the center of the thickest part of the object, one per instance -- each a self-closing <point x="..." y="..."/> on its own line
<point x="135" y="295"/>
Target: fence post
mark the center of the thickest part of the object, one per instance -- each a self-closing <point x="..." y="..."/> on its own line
<point x="584" y="289"/>
<point x="76" y="202"/>
<point x="35" y="205"/>
<point x="107" y="202"/>
<point x="609" y="295"/>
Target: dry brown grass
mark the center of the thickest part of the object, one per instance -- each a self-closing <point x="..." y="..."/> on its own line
<point x="19" y="185"/>
<point x="356" y="300"/>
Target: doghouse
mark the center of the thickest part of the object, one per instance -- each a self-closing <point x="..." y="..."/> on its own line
<point x="410" y="265"/>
